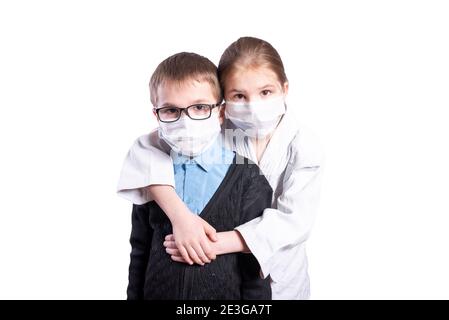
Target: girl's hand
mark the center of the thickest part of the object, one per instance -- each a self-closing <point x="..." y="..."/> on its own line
<point x="172" y="249"/>
<point x="226" y="242"/>
<point x="192" y="237"/>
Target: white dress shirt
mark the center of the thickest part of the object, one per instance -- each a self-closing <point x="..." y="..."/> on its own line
<point x="292" y="164"/>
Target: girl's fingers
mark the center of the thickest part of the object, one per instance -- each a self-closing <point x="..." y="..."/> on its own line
<point x="173" y="252"/>
<point x="170" y="244"/>
<point x="178" y="259"/>
<point x="169" y="237"/>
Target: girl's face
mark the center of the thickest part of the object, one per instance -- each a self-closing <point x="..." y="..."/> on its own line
<point x="251" y="84"/>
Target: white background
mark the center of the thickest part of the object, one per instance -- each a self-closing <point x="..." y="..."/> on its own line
<point x="370" y="77"/>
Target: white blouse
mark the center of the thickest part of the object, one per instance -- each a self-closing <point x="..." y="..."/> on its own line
<point x="292" y="164"/>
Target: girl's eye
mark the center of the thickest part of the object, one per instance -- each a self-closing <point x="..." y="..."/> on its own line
<point x="266" y="92"/>
<point x="239" y="96"/>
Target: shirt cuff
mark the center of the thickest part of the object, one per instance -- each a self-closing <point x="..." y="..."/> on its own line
<point x="138" y="193"/>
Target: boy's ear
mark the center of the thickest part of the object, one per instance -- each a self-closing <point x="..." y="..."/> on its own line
<point x="222" y="113"/>
<point x="222" y="110"/>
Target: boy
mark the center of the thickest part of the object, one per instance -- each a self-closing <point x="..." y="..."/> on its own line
<point x="218" y="185"/>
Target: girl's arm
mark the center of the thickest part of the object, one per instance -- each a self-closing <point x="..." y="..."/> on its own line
<point x="291" y="222"/>
<point x="226" y="242"/>
<point x="257" y="197"/>
<point x="147" y="174"/>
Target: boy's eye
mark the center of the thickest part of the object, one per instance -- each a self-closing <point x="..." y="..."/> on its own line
<point x="169" y="110"/>
<point x="239" y="96"/>
<point x="199" y="107"/>
<point x="266" y="92"/>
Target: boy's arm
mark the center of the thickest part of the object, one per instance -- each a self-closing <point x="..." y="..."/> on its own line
<point x="256" y="199"/>
<point x="147" y="174"/>
<point x="141" y="237"/>
<point x="192" y="233"/>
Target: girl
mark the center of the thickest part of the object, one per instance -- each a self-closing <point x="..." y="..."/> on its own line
<point x="258" y="126"/>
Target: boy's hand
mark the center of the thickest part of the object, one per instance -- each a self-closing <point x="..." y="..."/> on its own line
<point x="172" y="249"/>
<point x="192" y="233"/>
<point x="226" y="242"/>
<point x="192" y="237"/>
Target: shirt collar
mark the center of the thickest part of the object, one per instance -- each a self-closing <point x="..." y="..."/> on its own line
<point x="215" y="154"/>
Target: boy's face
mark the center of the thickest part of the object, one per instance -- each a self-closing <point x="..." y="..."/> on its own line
<point x="185" y="94"/>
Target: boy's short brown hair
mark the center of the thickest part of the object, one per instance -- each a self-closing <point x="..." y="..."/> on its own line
<point x="185" y="66"/>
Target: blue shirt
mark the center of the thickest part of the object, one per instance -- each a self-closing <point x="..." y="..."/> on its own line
<point x="197" y="179"/>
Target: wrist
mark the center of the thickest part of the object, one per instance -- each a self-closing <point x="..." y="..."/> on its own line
<point x="217" y="246"/>
<point x="178" y="214"/>
<point x="229" y="242"/>
<point x="168" y="200"/>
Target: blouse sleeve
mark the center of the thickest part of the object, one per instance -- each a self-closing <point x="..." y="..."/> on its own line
<point x="147" y="163"/>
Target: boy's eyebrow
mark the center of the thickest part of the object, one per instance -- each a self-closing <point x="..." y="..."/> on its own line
<point x="198" y="101"/>
<point x="206" y="101"/>
<point x="168" y="104"/>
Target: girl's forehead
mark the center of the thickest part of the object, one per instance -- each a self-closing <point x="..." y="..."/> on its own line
<point x="251" y="76"/>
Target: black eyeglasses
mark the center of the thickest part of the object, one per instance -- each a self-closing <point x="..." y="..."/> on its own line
<point x="199" y="111"/>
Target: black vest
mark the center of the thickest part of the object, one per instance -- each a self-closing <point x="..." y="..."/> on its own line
<point x="242" y="195"/>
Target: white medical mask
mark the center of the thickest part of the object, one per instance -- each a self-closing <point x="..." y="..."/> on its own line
<point x="256" y="119"/>
<point x="190" y="137"/>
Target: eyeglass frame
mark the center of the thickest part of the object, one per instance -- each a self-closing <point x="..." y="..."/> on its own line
<point x="211" y="106"/>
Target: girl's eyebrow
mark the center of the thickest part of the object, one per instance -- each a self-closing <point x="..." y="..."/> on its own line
<point x="236" y="90"/>
<point x="261" y="88"/>
<point x="266" y="87"/>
